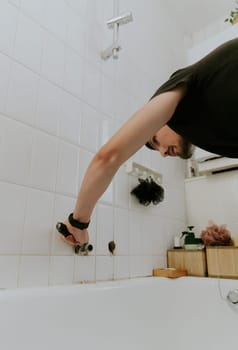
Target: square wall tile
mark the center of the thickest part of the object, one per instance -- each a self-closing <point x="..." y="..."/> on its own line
<point x="15" y="2"/>
<point x="28" y="43"/>
<point x="34" y="271"/>
<point x="67" y="176"/>
<point x="74" y="73"/>
<point x="122" y="191"/>
<point x="15" y="153"/>
<point x="108" y="96"/>
<point x="121" y="229"/>
<point x="121" y="267"/>
<point x="54" y="17"/>
<point x="34" y="8"/>
<point x="12" y="204"/>
<point x="22" y="94"/>
<point x="80" y="7"/>
<point x="38" y="228"/>
<point x="105" y="234"/>
<point x="84" y="269"/>
<point x="122" y="105"/>
<point x="48" y="107"/>
<point x="158" y="235"/>
<point x="53" y="59"/>
<point x="159" y="261"/>
<point x="9" y="275"/>
<point x="92" y="85"/>
<point x="70" y="118"/>
<point x="44" y="161"/>
<point x="135" y="231"/>
<point x="3" y="125"/>
<point x="90" y="129"/>
<point x="148" y="227"/>
<point x="8" y="25"/>
<point x="5" y="63"/>
<point x="141" y="266"/>
<point x="76" y="30"/>
<point x="104" y="268"/>
<point x="61" y="270"/>
<point x="94" y="34"/>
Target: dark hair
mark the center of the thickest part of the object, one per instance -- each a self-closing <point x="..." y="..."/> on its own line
<point x="186" y="147"/>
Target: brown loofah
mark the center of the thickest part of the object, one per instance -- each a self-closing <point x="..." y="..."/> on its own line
<point x="216" y="235"/>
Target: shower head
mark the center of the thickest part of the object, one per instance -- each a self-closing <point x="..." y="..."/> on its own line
<point x="121" y="19"/>
<point x="111" y="51"/>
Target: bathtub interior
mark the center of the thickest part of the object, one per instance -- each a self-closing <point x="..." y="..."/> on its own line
<point x="149" y="313"/>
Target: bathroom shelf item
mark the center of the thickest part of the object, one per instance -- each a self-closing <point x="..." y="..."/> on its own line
<point x="194" y="261"/>
<point x="222" y="261"/>
<point x="169" y="272"/>
<point x="141" y="171"/>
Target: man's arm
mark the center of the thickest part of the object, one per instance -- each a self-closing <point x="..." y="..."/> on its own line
<point x="127" y="141"/>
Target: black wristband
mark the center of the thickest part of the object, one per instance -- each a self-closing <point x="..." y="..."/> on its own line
<point x="77" y="224"/>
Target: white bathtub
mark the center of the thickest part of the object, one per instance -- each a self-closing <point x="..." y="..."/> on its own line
<point x="148" y="313"/>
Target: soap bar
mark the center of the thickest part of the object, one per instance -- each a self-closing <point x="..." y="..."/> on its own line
<point x="169" y="272"/>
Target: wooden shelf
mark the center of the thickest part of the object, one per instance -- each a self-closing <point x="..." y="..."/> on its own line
<point x="222" y="261"/>
<point x="193" y="261"/>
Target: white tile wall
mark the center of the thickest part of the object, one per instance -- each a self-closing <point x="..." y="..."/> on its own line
<point x="37" y="231"/>
<point x="44" y="161"/>
<point x="48" y="107"/>
<point x="5" y="63"/>
<point x="34" y="8"/>
<point x="15" y="153"/>
<point x="8" y="24"/>
<point x="67" y="175"/>
<point x="70" y="123"/>
<point x="121" y="231"/>
<point x="76" y="31"/>
<point x="61" y="269"/>
<point x="84" y="269"/>
<point x="12" y="203"/>
<point x="105" y="232"/>
<point x="28" y="43"/>
<point x="74" y="72"/>
<point x="59" y="102"/>
<point x="53" y="59"/>
<point x="121" y="267"/>
<point x="22" y="94"/>
<point x="56" y="23"/>
<point x="90" y="129"/>
<point x="9" y="266"/>
<point x="104" y="268"/>
<point x="34" y="271"/>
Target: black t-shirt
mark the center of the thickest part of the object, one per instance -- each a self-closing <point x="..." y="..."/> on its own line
<point x="207" y="115"/>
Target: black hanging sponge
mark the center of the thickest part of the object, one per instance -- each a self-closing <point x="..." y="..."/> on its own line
<point x="148" y="191"/>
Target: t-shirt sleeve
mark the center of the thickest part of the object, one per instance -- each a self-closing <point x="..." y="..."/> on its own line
<point x="184" y="75"/>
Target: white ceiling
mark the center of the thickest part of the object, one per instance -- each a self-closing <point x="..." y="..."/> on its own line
<point x="194" y="15"/>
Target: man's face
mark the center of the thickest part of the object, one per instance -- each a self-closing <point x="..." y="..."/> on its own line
<point x="169" y="143"/>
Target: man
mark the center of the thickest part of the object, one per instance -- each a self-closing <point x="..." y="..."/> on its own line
<point x="196" y="106"/>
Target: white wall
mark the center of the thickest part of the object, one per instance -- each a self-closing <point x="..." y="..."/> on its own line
<point x="59" y="102"/>
<point x="213" y="198"/>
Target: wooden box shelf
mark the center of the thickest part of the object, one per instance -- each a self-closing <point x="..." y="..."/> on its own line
<point x="222" y="261"/>
<point x="194" y="261"/>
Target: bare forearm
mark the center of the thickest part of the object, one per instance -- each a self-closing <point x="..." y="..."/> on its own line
<point x="96" y="180"/>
